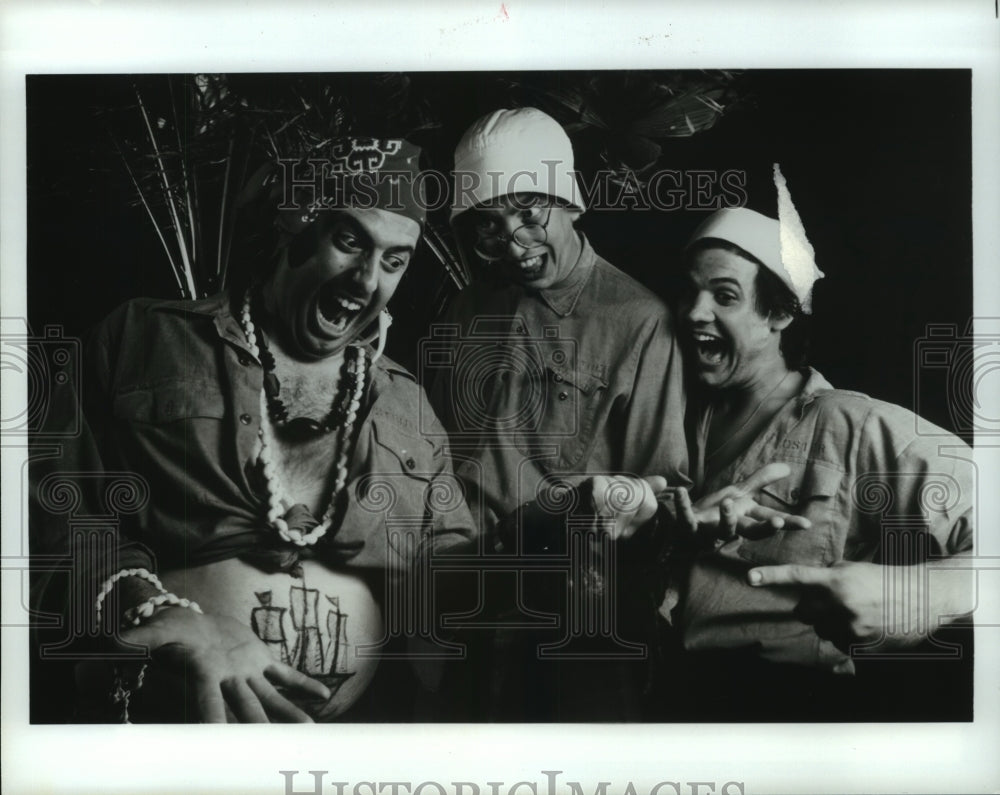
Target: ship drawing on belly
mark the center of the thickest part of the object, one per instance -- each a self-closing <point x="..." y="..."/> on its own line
<point x="321" y="655"/>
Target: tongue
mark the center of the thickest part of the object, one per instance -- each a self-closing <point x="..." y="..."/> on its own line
<point x="711" y="352"/>
<point x="331" y="308"/>
<point x="339" y="322"/>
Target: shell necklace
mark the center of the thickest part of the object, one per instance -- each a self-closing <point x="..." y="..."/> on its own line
<point x="296" y="524"/>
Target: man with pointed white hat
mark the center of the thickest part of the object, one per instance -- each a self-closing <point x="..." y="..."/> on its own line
<point x="771" y="625"/>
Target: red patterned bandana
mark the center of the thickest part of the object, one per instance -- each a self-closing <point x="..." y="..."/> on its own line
<point x="355" y="172"/>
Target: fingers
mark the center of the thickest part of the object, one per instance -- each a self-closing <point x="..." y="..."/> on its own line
<point x="278" y="708"/>
<point x="727" y="520"/>
<point x="755" y="531"/>
<point x="632" y="496"/>
<point x="211" y="704"/>
<point x="778" y="519"/>
<point x="596" y="490"/>
<point x="789" y="574"/>
<point x="685" y="511"/>
<point x="764" y="476"/>
<point x="763" y="515"/>
<point x="149" y="635"/>
<point x="713" y="500"/>
<point x="630" y="502"/>
<point x="253" y="701"/>
<point x="656" y="483"/>
<point x="243" y="702"/>
<point x="844" y="667"/>
<point x="824" y="617"/>
<point x="285" y="675"/>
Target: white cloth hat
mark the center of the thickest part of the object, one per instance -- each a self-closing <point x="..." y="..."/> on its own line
<point x="514" y="151"/>
<point x="780" y="244"/>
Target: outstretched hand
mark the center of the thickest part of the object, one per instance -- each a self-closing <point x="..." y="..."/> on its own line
<point x="732" y="511"/>
<point x="233" y="674"/>
<point x="852" y="603"/>
<point x="628" y="502"/>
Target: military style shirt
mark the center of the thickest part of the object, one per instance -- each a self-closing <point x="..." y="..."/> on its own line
<point x="877" y="488"/>
<point x="579" y="379"/>
<point x="171" y="409"/>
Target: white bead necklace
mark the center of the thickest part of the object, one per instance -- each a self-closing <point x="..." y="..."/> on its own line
<point x="277" y="505"/>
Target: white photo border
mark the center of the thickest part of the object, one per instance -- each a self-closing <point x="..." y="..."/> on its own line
<point x="105" y="36"/>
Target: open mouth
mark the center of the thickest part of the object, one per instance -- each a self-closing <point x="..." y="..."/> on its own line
<point x="532" y="267"/>
<point x="710" y="348"/>
<point x="337" y="308"/>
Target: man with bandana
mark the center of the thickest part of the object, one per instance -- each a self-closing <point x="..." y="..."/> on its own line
<point x="283" y="484"/>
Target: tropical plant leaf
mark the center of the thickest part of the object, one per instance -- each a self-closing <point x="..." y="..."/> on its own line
<point x="680" y="117"/>
<point x="635" y="152"/>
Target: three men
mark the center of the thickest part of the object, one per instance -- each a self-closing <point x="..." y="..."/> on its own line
<point x="288" y="469"/>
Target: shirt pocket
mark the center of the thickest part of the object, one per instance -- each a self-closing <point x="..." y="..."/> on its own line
<point x="175" y="435"/>
<point x="401" y="468"/>
<point x="388" y="504"/>
<point x="569" y="408"/>
<point x="811" y="490"/>
<point x="170" y="403"/>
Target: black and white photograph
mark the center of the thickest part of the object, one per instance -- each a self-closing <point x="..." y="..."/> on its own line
<point x="639" y="409"/>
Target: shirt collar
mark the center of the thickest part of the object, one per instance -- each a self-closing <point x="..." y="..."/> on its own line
<point x="219" y="308"/>
<point x="814" y="384"/>
<point x="562" y="297"/>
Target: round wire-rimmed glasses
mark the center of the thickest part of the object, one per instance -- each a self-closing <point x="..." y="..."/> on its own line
<point x="492" y="246"/>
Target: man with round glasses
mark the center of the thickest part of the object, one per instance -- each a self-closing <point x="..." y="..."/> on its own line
<point x="598" y="388"/>
<point x="519" y="223"/>
<point x="560" y="368"/>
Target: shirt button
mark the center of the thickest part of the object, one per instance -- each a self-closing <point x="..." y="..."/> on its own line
<point x="410" y="463"/>
<point x="563" y="395"/>
<point x="245" y="419"/>
<point x="794" y="493"/>
<point x="557" y="378"/>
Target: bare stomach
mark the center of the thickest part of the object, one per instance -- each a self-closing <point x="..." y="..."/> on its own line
<point x="319" y="623"/>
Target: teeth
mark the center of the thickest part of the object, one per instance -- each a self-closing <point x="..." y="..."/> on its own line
<point x="531" y="262"/>
<point x="711" y="349"/>
<point x="338" y="310"/>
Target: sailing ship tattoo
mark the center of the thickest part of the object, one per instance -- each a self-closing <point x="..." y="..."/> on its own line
<point x="320" y="654"/>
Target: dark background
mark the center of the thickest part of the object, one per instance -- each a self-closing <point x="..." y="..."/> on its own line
<point x="878" y="163"/>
